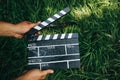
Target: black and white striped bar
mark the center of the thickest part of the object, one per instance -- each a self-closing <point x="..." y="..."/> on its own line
<point x="56" y="51"/>
<point x="48" y="21"/>
<point x="53" y="37"/>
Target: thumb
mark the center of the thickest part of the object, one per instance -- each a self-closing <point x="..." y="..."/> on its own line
<point x="45" y="72"/>
<point x="34" y="24"/>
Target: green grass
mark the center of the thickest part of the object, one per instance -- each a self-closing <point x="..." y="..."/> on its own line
<point x="98" y="25"/>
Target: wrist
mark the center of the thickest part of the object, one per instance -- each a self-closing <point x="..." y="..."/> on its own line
<point x="7" y="29"/>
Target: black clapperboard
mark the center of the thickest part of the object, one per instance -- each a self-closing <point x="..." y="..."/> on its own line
<point x="55" y="51"/>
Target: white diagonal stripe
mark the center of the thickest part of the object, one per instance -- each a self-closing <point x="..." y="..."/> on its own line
<point x="62" y="36"/>
<point x="38" y="27"/>
<point x="57" y="16"/>
<point x="44" y="23"/>
<point x="39" y="38"/>
<point x="63" y="12"/>
<point x="70" y="35"/>
<point x="55" y="36"/>
<point x="47" y="37"/>
<point x="51" y="19"/>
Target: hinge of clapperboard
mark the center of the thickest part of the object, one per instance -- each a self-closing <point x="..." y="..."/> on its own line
<point x="48" y="21"/>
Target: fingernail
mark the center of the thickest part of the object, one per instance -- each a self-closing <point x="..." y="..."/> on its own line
<point x="39" y="21"/>
<point x="51" y="71"/>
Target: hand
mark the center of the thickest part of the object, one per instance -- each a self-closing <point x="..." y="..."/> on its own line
<point x="16" y="30"/>
<point x="35" y="74"/>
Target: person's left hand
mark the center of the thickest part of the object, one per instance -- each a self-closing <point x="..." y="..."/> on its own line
<point x="35" y="74"/>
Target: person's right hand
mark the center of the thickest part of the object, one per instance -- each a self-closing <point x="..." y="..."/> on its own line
<point x="35" y="74"/>
<point x="16" y="30"/>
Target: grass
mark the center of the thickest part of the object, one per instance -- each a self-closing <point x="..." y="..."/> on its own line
<point x="97" y="22"/>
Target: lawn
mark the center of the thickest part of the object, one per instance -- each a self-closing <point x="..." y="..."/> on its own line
<point x="96" y="21"/>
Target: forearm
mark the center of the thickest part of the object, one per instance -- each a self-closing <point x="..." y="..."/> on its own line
<point x="7" y="29"/>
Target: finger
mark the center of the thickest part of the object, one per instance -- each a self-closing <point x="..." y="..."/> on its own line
<point x="38" y="33"/>
<point x="38" y="22"/>
<point x="43" y="77"/>
<point x="34" y="24"/>
<point x="45" y="72"/>
<point x="18" y="36"/>
<point x="25" y="71"/>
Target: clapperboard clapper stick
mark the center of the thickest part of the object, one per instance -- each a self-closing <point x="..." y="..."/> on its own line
<point x="54" y="51"/>
<point x="48" y="21"/>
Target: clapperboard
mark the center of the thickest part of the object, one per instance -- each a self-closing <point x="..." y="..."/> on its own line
<point x="55" y="51"/>
<point x="58" y="51"/>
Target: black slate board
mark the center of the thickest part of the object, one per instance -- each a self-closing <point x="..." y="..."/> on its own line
<point x="57" y="51"/>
